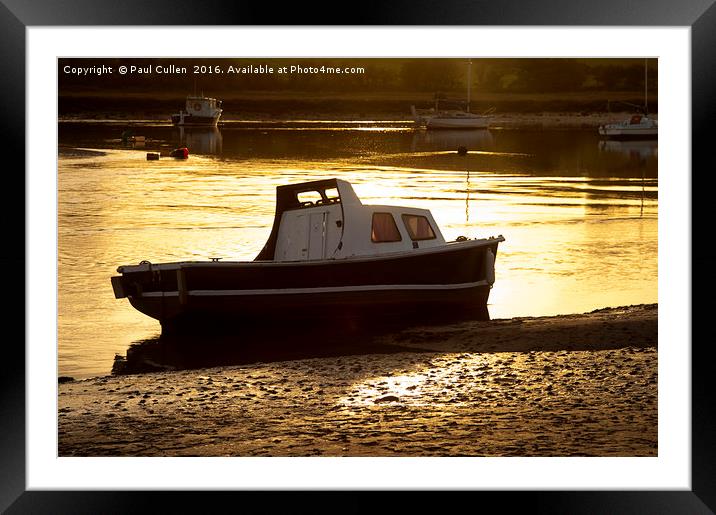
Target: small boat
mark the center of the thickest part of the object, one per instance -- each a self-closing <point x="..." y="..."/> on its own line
<point x="449" y="119"/>
<point x="457" y="120"/>
<point x="440" y="118"/>
<point x="200" y="111"/>
<point x="639" y="126"/>
<point x="328" y="256"/>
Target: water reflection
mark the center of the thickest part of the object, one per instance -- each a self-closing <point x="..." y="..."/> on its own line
<point x="548" y="153"/>
<point x="557" y="197"/>
<point x="272" y="341"/>
<point x="207" y="141"/>
<point x="451" y="140"/>
<point x="640" y="153"/>
<point x="638" y="150"/>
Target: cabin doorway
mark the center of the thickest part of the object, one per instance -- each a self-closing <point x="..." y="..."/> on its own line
<point x="309" y="235"/>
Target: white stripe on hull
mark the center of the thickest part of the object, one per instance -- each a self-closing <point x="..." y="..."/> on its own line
<point x="326" y="289"/>
<point x="629" y="132"/>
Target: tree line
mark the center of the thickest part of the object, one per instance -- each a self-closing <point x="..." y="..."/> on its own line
<point x="519" y="75"/>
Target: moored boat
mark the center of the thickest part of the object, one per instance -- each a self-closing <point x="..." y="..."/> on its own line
<point x="328" y="256"/>
<point x="200" y="112"/>
<point x="637" y="127"/>
<point x="458" y="120"/>
<point x="462" y="118"/>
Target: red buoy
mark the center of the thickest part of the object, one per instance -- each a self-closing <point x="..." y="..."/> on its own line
<point x="180" y="153"/>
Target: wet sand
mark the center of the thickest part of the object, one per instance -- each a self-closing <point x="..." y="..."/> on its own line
<point x="571" y="385"/>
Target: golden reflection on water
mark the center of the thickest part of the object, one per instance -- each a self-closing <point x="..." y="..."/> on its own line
<point x="573" y="244"/>
<point x="329" y="124"/>
<point x="338" y="129"/>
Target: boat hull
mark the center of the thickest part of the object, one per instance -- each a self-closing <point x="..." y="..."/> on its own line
<point x="223" y="313"/>
<point x="634" y="133"/>
<point x="457" y="123"/>
<point x="185" y="296"/>
<point x="195" y="121"/>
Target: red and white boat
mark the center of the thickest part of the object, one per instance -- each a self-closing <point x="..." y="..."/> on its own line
<point x="637" y="127"/>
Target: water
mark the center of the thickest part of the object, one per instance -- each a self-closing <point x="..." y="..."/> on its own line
<point x="579" y="215"/>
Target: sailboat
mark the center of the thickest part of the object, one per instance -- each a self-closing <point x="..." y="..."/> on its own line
<point x="454" y="118"/>
<point x="638" y="126"/>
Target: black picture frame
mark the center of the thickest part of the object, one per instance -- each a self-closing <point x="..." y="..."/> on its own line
<point x="17" y="15"/>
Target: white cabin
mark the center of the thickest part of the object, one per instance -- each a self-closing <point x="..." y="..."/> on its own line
<point x="203" y="106"/>
<point x="326" y="220"/>
<point x="200" y="112"/>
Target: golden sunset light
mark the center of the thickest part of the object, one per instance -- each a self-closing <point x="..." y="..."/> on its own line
<point x="357" y="256"/>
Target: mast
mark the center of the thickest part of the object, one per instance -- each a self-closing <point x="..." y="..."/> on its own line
<point x="469" y="77"/>
<point x="646" y="102"/>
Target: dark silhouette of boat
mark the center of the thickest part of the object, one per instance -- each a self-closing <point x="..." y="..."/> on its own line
<point x="328" y="257"/>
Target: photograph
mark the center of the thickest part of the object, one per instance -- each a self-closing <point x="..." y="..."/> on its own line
<point x="357" y="256"/>
<point x="426" y="250"/>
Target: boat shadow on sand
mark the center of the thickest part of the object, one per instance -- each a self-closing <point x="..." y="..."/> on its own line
<point x="265" y="342"/>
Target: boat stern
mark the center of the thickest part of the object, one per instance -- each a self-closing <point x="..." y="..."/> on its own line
<point x="118" y="287"/>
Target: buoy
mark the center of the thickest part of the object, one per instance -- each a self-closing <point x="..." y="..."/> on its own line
<point x="126" y="135"/>
<point x="180" y="153"/>
<point x="152" y="156"/>
<point x="462" y="150"/>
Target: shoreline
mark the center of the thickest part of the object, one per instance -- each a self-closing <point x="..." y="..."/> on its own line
<point x="512" y="121"/>
<point x="531" y="386"/>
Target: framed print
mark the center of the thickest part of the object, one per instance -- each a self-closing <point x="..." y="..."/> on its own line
<point x="431" y="254"/>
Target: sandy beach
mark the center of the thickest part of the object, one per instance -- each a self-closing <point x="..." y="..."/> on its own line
<point x="570" y="385"/>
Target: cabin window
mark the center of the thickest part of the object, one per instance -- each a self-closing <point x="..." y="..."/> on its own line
<point x="384" y="229"/>
<point x="307" y="198"/>
<point x="314" y="198"/>
<point x="418" y="227"/>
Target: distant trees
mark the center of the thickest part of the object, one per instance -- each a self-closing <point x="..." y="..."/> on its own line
<point x="625" y="79"/>
<point x="433" y="74"/>
<point x="519" y="75"/>
<point x="537" y="75"/>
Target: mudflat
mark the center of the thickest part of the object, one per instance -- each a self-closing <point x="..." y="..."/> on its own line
<point x="569" y="385"/>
